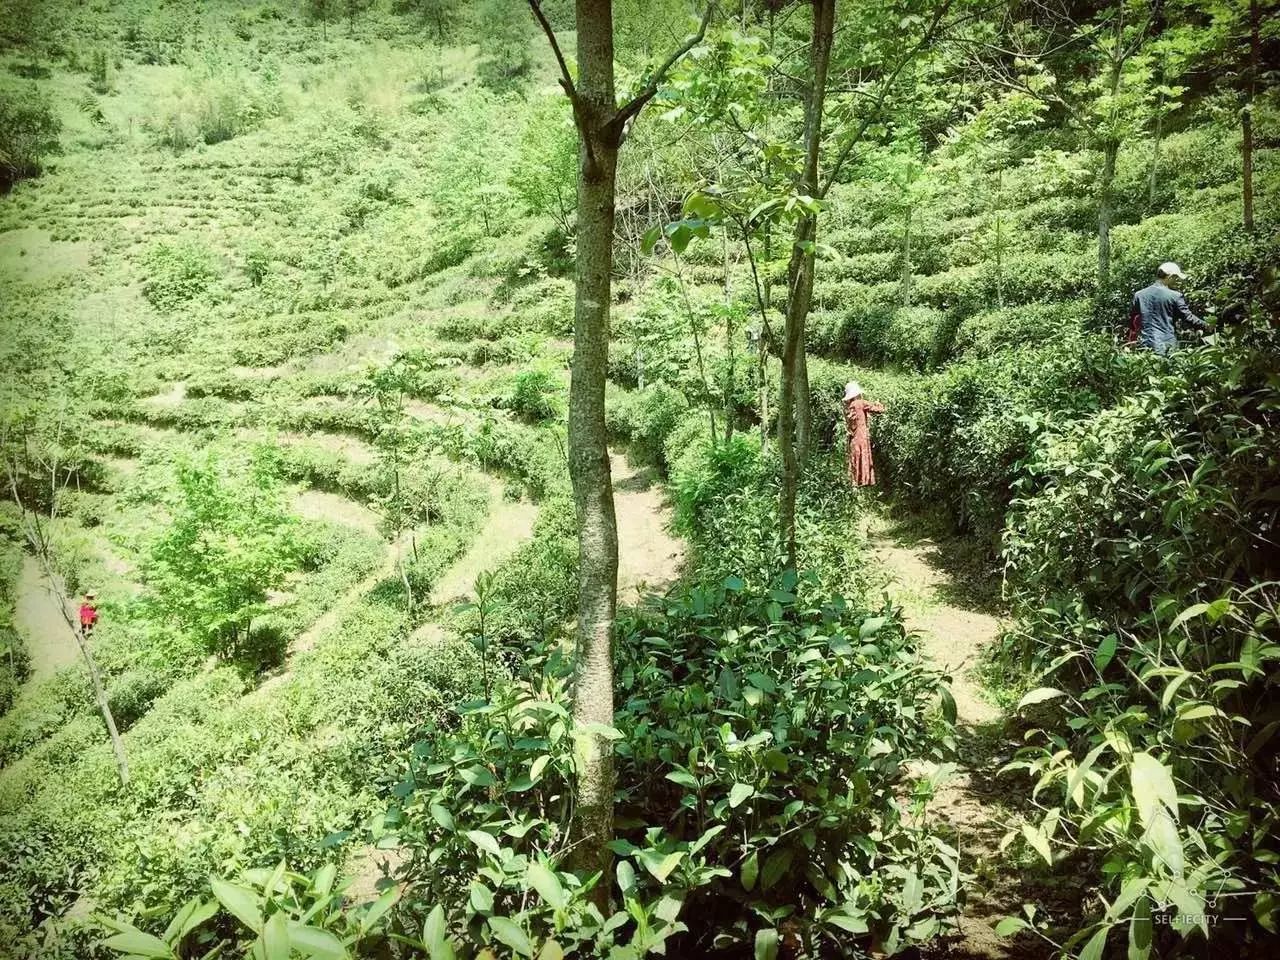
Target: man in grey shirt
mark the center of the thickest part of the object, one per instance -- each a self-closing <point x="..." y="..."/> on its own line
<point x="1156" y="308"/>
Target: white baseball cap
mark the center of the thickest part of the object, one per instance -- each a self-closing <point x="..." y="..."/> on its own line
<point x="1170" y="269"/>
<point x="851" y="390"/>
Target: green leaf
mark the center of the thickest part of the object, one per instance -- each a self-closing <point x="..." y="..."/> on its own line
<point x="442" y="816"/>
<point x="750" y="871"/>
<point x="485" y="841"/>
<point x="434" y="935"/>
<point x="1194" y="610"/>
<point x="378" y="908"/>
<point x="658" y="865"/>
<point x="547" y="884"/>
<point x="551" y="951"/>
<point x="626" y="876"/>
<point x="137" y="942"/>
<point x="1153" y="788"/>
<point x="1011" y="925"/>
<point x="323" y="880"/>
<point x="1093" y="949"/>
<point x="1106" y="650"/>
<point x="650" y="239"/>
<point x="1038" y="841"/>
<point x="481" y="898"/>
<point x="871" y="626"/>
<point x="1040" y="695"/>
<point x="948" y="704"/>
<point x="740" y="793"/>
<point x="684" y="778"/>
<point x="275" y="938"/>
<point x="510" y="934"/>
<point x="240" y="902"/>
<point x="775" y="866"/>
<point x="1140" y="930"/>
<point x="766" y="944"/>
<point x="316" y="943"/>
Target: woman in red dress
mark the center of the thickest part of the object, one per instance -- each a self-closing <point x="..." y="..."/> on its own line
<point x="862" y="472"/>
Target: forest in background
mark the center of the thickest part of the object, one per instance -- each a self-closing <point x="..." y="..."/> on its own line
<point x="288" y="307"/>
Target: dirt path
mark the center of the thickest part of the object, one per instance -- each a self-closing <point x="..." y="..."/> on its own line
<point x="50" y="642"/>
<point x="649" y="557"/>
<point x="508" y="525"/>
<point x="970" y="805"/>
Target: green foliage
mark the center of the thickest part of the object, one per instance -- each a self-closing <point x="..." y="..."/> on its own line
<point x="545" y="177"/>
<point x="287" y="913"/>
<point x="708" y="745"/>
<point x="178" y="273"/>
<point x="212" y="106"/>
<point x="228" y="542"/>
<point x="646" y="418"/>
<point x="28" y="134"/>
<point x="1147" y="612"/>
<point x="505" y="57"/>
<point x="535" y="395"/>
<point x="951" y="443"/>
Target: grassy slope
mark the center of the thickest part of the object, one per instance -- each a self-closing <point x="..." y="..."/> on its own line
<point x="336" y="196"/>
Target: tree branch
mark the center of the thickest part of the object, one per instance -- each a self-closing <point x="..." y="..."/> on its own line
<point x="886" y="86"/>
<point x="633" y="106"/>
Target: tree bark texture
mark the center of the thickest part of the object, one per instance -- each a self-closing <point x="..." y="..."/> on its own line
<point x="588" y="451"/>
<point x="794" y="415"/>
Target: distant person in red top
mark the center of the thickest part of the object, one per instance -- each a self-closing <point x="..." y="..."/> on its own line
<point x="862" y="472"/>
<point x="88" y="613"/>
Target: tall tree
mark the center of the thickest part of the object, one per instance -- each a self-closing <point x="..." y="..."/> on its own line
<point x="602" y="125"/>
<point x="794" y="416"/>
<point x="877" y="48"/>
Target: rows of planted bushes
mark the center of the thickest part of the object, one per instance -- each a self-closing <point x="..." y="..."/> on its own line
<point x="761" y="740"/>
<point x="1143" y="565"/>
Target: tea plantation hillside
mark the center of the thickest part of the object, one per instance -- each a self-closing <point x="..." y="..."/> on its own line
<point x="287" y="318"/>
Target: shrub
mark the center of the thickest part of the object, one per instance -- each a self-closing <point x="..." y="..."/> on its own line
<point x="646" y="418"/>
<point x="1146" y="594"/>
<point x="535" y="396"/>
<point x="212" y="108"/>
<point x="28" y="133"/>
<point x="767" y="811"/>
<point x="178" y="273"/>
<point x="132" y="693"/>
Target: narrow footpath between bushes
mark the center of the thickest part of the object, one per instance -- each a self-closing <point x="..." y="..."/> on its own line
<point x="953" y="634"/>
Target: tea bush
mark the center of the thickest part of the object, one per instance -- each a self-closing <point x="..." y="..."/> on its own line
<point x="178" y="272"/>
<point x="776" y="820"/>
<point x="646" y="418"/>
<point x="1140" y="559"/>
<point x="28" y="134"/>
<point x="535" y="395"/>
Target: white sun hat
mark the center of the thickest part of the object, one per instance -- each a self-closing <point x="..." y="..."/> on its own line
<point x="852" y="390"/>
<point x="1170" y="269"/>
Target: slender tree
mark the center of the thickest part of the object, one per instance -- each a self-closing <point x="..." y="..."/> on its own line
<point x="37" y="528"/>
<point x="602" y="125"/>
<point x="794" y="417"/>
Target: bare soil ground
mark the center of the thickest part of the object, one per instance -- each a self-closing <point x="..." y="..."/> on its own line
<point x="649" y="556"/>
<point x="509" y="524"/>
<point x="971" y="805"/>
<point x="50" y="642"/>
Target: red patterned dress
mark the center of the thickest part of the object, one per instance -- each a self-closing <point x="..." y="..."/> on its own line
<point x="862" y="472"/>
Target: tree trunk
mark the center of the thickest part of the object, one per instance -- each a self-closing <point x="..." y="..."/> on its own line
<point x="1105" y="214"/>
<point x="794" y="417"/>
<point x="104" y="707"/>
<point x="1246" y="116"/>
<point x="588" y="452"/>
<point x="906" y="259"/>
<point x="1110" y="149"/>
